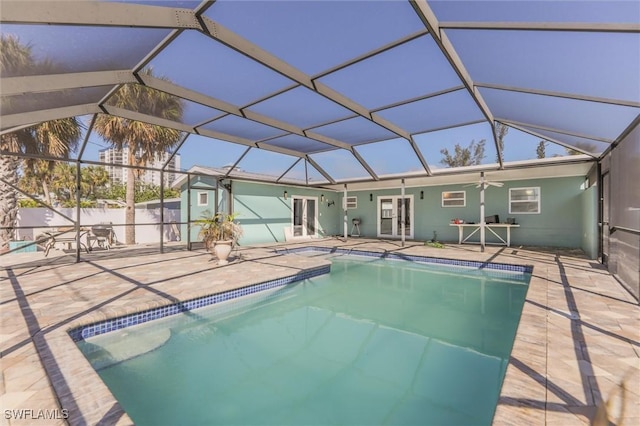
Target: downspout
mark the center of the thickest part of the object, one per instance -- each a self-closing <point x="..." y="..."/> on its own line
<point x="402" y="213"/>
<point x="215" y="197"/>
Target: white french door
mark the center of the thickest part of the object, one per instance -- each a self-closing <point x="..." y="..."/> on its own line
<point x="304" y="219"/>
<point x="390" y="216"/>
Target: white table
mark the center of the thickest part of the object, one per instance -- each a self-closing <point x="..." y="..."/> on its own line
<point x="475" y="227"/>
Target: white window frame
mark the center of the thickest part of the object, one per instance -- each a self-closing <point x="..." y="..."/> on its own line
<point x="512" y="202"/>
<point x="464" y="198"/>
<point x="206" y="203"/>
<point x="351" y="202"/>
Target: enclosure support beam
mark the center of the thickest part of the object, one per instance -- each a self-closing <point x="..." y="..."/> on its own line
<point x="402" y="213"/>
<point x="77" y="224"/>
<point x="428" y="18"/>
<point x="482" y="222"/>
<point x="42" y="203"/>
<point x="344" y="205"/>
<point x="189" y="211"/>
<point x="162" y="211"/>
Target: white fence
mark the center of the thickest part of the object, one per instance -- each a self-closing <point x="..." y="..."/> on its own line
<point x="147" y="222"/>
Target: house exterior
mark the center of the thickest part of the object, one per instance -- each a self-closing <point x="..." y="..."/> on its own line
<point x="557" y="211"/>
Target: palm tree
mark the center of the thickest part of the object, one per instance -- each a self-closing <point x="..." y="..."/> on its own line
<point x="501" y="132"/>
<point x="585" y="146"/>
<point x="93" y="177"/>
<point x="144" y="141"/>
<point x="55" y="138"/>
<point x="471" y="155"/>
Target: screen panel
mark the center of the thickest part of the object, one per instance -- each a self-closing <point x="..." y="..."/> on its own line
<point x="59" y="49"/>
<point x="589" y="145"/>
<point x="261" y="164"/>
<point x="298" y="143"/>
<point x="524" y="146"/>
<point x="467" y="138"/>
<point x="244" y="128"/>
<point x="340" y="165"/>
<point x="302" y="37"/>
<point x="313" y="175"/>
<point x="304" y="173"/>
<point x="204" y="151"/>
<point x="378" y="156"/>
<point x="579" y="63"/>
<point x="450" y="109"/>
<point x="354" y="131"/>
<point x="297" y="174"/>
<point x="301" y="107"/>
<point x="70" y="132"/>
<point x="607" y="11"/>
<point x="586" y="118"/>
<point x="195" y="113"/>
<point x="216" y="70"/>
<point x="413" y="69"/>
<point x="147" y="100"/>
<point x="17" y="104"/>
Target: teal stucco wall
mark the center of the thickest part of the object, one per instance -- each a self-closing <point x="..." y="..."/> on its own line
<point x="567" y="218"/>
<point x="264" y="213"/>
<point x="198" y="184"/>
<point x="261" y="209"/>
<point x="560" y="223"/>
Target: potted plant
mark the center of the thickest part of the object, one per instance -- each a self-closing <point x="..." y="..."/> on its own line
<point x="219" y="233"/>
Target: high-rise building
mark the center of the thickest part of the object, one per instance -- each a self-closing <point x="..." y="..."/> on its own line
<point x="114" y="158"/>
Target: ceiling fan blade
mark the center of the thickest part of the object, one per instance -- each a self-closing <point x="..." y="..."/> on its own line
<point x="497" y="184"/>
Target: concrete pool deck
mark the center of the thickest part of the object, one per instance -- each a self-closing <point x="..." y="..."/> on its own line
<point x="579" y="335"/>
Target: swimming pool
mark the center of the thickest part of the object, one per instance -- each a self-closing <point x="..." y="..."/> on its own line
<point x="374" y="342"/>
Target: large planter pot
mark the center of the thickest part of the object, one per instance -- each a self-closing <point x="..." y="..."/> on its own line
<point x="222" y="250"/>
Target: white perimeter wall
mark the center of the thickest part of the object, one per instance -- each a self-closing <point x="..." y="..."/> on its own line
<point x="147" y="222"/>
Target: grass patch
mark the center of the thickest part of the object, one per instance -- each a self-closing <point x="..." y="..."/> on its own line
<point x="435" y="244"/>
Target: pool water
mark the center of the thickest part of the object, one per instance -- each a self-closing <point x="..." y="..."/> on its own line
<point x="374" y="342"/>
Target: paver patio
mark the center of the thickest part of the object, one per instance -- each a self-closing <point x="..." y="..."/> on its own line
<point x="578" y="338"/>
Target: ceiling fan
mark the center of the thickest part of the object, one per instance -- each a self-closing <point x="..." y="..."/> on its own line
<point x="484" y="183"/>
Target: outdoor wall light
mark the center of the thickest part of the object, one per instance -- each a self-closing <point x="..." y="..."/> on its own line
<point x="285" y="194"/>
<point x="370" y="197"/>
<point x="322" y="198"/>
<point x="422" y="195"/>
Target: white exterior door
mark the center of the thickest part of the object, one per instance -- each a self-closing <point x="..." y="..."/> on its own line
<point x="304" y="220"/>
<point x="390" y="216"/>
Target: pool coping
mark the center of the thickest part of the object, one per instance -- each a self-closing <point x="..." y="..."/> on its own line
<point x="85" y="331"/>
<point x="412" y="258"/>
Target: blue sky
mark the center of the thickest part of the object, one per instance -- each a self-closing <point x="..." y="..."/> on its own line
<point x="540" y="60"/>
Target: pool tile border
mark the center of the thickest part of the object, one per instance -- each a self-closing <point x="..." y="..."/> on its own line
<point x="423" y="259"/>
<point x="86" y="331"/>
